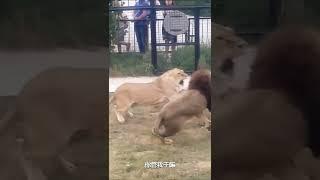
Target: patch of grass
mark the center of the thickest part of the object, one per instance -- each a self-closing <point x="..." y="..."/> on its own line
<point x="184" y="58"/>
<point x="134" y="144"/>
<point x="130" y="64"/>
<point x="135" y="64"/>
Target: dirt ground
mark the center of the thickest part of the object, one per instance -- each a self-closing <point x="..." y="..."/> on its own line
<point x="132" y="144"/>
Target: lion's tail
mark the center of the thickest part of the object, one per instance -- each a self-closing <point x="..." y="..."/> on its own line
<point x="7" y="118"/>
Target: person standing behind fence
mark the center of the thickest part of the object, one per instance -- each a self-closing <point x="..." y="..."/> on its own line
<point x="141" y="24"/>
<point x="167" y="37"/>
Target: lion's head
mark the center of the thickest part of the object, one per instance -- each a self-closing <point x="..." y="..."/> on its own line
<point x="232" y="59"/>
<point x="201" y="81"/>
<point x="175" y="74"/>
<point x="232" y="75"/>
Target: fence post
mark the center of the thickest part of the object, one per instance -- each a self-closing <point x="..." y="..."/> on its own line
<point x="197" y="37"/>
<point x="153" y="37"/>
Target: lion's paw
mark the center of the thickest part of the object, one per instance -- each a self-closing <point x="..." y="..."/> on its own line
<point x="163" y="139"/>
<point x="130" y="114"/>
<point x="168" y="141"/>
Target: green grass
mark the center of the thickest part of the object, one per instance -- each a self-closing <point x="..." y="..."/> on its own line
<point x="129" y="64"/>
<point x="135" y="64"/>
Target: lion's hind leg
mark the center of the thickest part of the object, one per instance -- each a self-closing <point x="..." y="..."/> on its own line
<point x="120" y="117"/>
<point x="121" y="109"/>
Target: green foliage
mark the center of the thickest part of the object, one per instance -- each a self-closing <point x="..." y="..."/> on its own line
<point x="184" y="58"/>
<point x="112" y="28"/>
<point x="130" y="64"/>
<point x="203" y="12"/>
<point x="135" y="64"/>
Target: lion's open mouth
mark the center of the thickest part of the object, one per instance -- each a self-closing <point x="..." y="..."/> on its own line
<point x="181" y="82"/>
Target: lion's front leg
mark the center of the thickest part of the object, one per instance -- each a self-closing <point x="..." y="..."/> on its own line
<point x="164" y="140"/>
<point x="158" y="130"/>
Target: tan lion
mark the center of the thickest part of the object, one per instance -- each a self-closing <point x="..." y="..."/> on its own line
<point x="155" y="93"/>
<point x="54" y="106"/>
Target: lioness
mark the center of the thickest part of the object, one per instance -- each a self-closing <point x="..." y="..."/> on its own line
<point x="54" y="106"/>
<point x="157" y="93"/>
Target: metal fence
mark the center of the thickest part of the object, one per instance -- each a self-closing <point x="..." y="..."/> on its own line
<point x="198" y="31"/>
<point x="130" y="37"/>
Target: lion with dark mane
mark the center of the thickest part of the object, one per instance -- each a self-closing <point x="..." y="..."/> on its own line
<point x="263" y="127"/>
<point x="185" y="105"/>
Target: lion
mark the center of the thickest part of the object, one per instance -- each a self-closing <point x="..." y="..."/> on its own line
<point x="155" y="93"/>
<point x="186" y="105"/>
<point x="262" y="127"/>
<point x="55" y="106"/>
<point x="230" y="56"/>
<point x="232" y="75"/>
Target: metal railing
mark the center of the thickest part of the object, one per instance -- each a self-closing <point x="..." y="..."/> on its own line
<point x="198" y="32"/>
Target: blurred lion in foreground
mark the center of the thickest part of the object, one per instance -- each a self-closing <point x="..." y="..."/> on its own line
<point x="186" y="105"/>
<point x="57" y="107"/>
<point x="264" y="126"/>
<point x="155" y="93"/>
